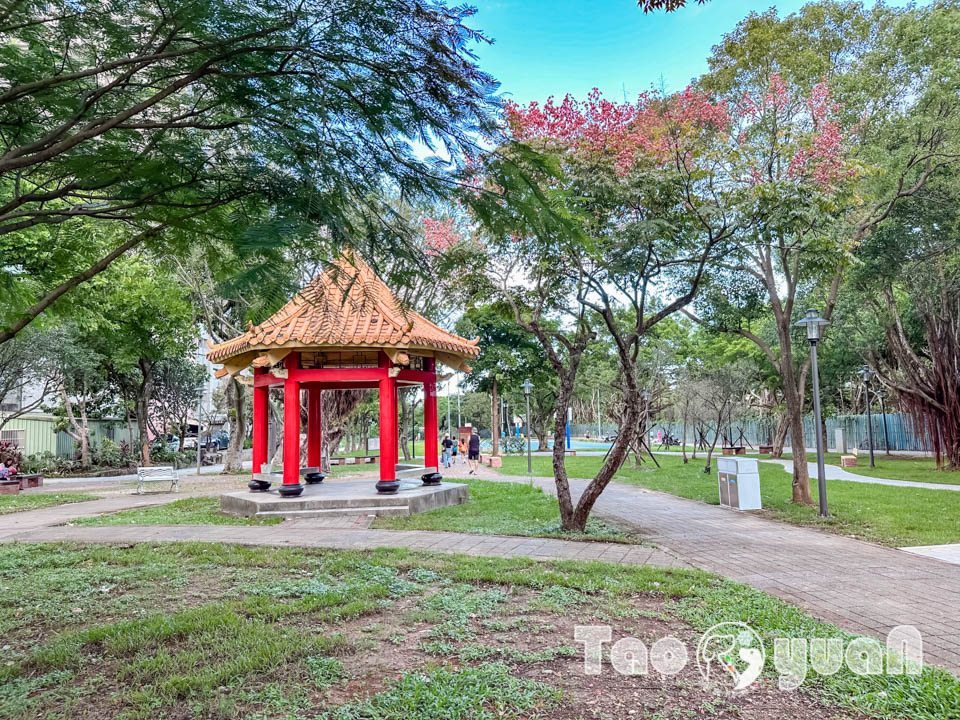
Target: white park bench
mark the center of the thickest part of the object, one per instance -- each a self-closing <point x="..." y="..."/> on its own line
<point x="159" y="473"/>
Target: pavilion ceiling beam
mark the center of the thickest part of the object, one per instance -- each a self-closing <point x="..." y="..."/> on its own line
<point x="236" y="365"/>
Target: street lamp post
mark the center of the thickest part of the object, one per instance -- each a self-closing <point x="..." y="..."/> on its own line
<point x="867" y="374"/>
<point x="813" y="323"/>
<point x="881" y="392"/>
<point x="527" y="387"/>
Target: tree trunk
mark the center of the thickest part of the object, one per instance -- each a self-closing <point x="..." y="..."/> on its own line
<point x="80" y="431"/>
<point x="793" y="398"/>
<point x="142" y="407"/>
<point x="85" y="459"/>
<point x="683" y="437"/>
<point x="233" y="458"/>
<point x="801" y="477"/>
<point x="495" y="419"/>
<point x="567" y="520"/>
<point x="713" y="445"/>
<point x="780" y="438"/>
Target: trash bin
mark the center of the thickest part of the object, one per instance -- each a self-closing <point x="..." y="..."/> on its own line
<point x="739" y="483"/>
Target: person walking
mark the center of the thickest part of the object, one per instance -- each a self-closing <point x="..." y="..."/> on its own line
<point x="473" y="452"/>
<point x="447" y="449"/>
<point x="459" y="451"/>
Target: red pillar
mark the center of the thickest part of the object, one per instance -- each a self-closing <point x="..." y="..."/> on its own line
<point x="291" y="429"/>
<point x="430" y="430"/>
<point x="314" y="427"/>
<point x="388" y="431"/>
<point x="260" y="424"/>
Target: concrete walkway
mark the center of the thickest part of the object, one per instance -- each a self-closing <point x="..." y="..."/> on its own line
<point x="833" y="472"/>
<point x="862" y="587"/>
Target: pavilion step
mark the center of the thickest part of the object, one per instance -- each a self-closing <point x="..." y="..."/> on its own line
<point x="412" y="471"/>
<point x="381" y="510"/>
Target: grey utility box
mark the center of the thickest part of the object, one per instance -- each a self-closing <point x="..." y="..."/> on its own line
<point x="739" y="481"/>
<point x="840" y="435"/>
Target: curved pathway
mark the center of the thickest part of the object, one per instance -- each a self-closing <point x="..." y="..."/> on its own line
<point x="833" y="472"/>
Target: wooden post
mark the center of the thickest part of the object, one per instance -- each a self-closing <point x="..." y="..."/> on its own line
<point x="388" y="431"/>
<point x="291" y="429"/>
<point x="314" y="427"/>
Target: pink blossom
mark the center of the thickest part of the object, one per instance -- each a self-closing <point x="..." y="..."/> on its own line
<point x="439" y="235"/>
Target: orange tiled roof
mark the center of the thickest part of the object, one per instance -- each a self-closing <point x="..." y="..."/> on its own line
<point x="346" y="305"/>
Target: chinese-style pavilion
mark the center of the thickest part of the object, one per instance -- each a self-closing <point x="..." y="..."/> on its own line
<point x="344" y="330"/>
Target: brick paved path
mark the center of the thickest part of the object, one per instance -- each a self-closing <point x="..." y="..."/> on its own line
<point x="304" y="533"/>
<point x="862" y="587"/>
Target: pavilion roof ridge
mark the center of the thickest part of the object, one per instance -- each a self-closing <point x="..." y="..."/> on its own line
<point x="345" y="305"/>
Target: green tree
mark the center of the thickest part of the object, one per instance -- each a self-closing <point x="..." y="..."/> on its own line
<point x="137" y="316"/>
<point x="83" y="386"/>
<point x="171" y="123"/>
<point x="897" y="123"/>
<point x="909" y="280"/>
<point x="508" y="356"/>
<point x="176" y="393"/>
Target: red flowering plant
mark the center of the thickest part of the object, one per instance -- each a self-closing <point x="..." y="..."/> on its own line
<point x="438" y="236"/>
<point x="653" y="195"/>
<point x="10" y="451"/>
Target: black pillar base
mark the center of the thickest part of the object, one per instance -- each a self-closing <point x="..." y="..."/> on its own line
<point x="314" y="478"/>
<point x="431" y="478"/>
<point x="290" y="490"/>
<point x="388" y="487"/>
<point x="259" y="485"/>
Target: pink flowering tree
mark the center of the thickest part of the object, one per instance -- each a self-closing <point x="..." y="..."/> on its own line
<point x="656" y="195"/>
<point x="439" y="236"/>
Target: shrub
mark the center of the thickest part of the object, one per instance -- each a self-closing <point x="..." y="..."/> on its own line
<point x="10" y="450"/>
<point x="109" y="454"/>
<point x="514" y="444"/>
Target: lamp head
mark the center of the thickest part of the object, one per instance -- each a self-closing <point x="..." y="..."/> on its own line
<point x="813" y="323"/>
<point x="866" y="373"/>
<point x="527" y="386"/>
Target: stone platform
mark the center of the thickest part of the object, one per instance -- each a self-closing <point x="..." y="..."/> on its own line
<point x="336" y="498"/>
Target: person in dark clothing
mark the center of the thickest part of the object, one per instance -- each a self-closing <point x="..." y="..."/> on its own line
<point x="473" y="453"/>
<point x="447" y="448"/>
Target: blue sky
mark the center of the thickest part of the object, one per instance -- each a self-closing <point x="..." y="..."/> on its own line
<point x="551" y="47"/>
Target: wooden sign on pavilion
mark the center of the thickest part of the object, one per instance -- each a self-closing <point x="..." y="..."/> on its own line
<point x="344" y="330"/>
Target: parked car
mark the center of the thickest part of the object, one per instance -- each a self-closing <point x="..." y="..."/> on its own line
<point x="171" y="443"/>
<point x="609" y="438"/>
<point x="190" y="442"/>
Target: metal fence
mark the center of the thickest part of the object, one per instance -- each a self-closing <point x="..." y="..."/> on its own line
<point x="893" y="429"/>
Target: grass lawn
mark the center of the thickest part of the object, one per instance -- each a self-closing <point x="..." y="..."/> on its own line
<point x="189" y="511"/>
<point x="212" y="631"/>
<point x="890" y="515"/>
<point x="503" y="509"/>
<point x="34" y="501"/>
